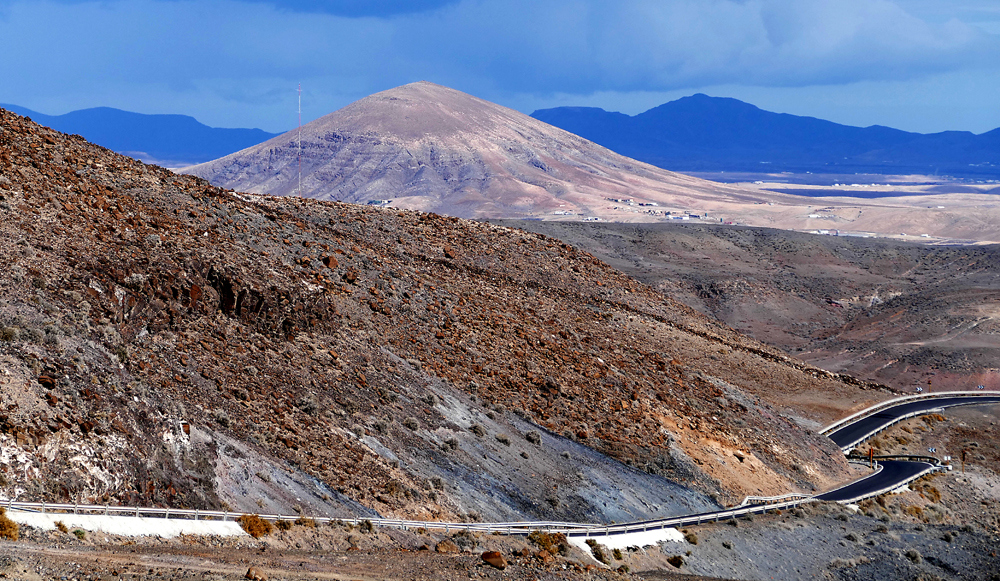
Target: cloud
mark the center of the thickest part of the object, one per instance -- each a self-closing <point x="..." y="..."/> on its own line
<point x="236" y="58"/>
<point x="579" y="45"/>
<point x="348" y="8"/>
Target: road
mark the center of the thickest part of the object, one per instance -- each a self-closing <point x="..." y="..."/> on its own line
<point x="893" y="474"/>
<point x="850" y="435"/>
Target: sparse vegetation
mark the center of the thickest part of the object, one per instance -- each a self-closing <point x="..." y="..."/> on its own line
<point x="411" y="423"/>
<point x="597" y="551"/>
<point x="304" y="521"/>
<point x="554" y="543"/>
<point x="477" y="430"/>
<point x="366" y="527"/>
<point x="691" y="537"/>
<point x="533" y="437"/>
<point x="503" y="439"/>
<point x="80" y="534"/>
<point x="60" y="526"/>
<point x="255" y="526"/>
<point x="676" y="561"/>
<point x="283" y="524"/>
<point x="8" y="334"/>
<point x="8" y="528"/>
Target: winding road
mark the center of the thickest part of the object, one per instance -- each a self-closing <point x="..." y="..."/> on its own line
<point x="890" y="473"/>
<point x="857" y="431"/>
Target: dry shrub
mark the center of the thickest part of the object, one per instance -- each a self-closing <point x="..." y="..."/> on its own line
<point x="676" y="561"/>
<point x="597" y="550"/>
<point x="61" y="527"/>
<point x="283" y="525"/>
<point x="306" y="522"/>
<point x="255" y="526"/>
<point x="8" y="528"/>
<point x="554" y="543"/>
<point x="927" y="490"/>
<point x="914" y="511"/>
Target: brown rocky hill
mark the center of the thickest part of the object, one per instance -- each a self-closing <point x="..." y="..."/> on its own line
<point x="432" y="148"/>
<point x="904" y="314"/>
<point x="164" y="341"/>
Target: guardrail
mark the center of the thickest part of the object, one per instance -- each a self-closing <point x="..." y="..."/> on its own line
<point x="771" y="499"/>
<point x="510" y="528"/>
<point x="907" y="398"/>
<point x="761" y="505"/>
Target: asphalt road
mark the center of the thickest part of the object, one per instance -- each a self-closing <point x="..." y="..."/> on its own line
<point x="892" y="474"/>
<point x="853" y="432"/>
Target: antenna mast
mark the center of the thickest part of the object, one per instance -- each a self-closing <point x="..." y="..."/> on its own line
<point x="300" y="140"/>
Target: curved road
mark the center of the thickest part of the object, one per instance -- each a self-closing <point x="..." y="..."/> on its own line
<point x="893" y="474"/>
<point x="858" y="431"/>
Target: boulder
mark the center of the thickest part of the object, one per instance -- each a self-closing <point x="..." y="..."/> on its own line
<point x="496" y="559"/>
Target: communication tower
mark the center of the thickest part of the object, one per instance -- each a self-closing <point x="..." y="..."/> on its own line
<point x="299" y="192"/>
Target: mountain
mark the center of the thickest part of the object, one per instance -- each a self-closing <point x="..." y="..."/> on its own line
<point x="168" y="140"/>
<point x="432" y="148"/>
<point x="899" y="313"/>
<point x="167" y="342"/>
<point x="702" y="133"/>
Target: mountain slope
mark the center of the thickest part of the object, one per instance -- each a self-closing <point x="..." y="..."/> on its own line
<point x="701" y="133"/>
<point x="904" y="314"/>
<point x="172" y="140"/>
<point x="432" y="148"/>
<point x="164" y="341"/>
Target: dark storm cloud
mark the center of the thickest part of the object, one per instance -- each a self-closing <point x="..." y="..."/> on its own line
<point x="230" y="56"/>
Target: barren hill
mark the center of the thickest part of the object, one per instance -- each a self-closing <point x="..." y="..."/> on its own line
<point x="905" y="314"/>
<point x="164" y="341"/>
<point x="432" y="148"/>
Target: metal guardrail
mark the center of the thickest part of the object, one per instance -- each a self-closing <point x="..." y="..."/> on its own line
<point x="771" y="499"/>
<point x="766" y="504"/>
<point x="907" y="398"/>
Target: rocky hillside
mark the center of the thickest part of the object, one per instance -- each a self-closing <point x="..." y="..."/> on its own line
<point x="432" y="148"/>
<point x="908" y="315"/>
<point x="164" y="341"/>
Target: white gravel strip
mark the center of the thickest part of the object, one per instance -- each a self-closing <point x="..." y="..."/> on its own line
<point x="128" y="526"/>
<point x="636" y="539"/>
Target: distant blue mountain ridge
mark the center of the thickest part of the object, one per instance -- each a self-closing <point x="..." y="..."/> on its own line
<point x="170" y="140"/>
<point x="702" y="133"/>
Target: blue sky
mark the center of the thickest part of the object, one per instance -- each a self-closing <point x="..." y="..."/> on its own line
<point x="920" y="65"/>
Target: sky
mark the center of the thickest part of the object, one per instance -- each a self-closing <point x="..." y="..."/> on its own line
<point x="918" y="65"/>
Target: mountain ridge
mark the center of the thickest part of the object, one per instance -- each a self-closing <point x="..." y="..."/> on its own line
<point x="166" y="139"/>
<point x="700" y="132"/>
